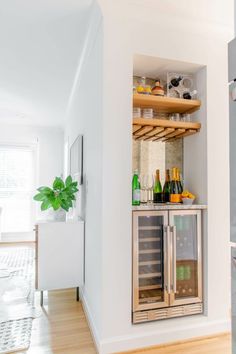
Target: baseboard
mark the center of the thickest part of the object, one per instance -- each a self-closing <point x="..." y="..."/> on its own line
<point x="90" y="320"/>
<point x="154" y="339"/>
<point x="179" y="342"/>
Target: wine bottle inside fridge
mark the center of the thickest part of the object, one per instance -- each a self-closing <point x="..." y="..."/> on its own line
<point x="175" y="194"/>
<point x="157" y="191"/>
<point x="135" y="189"/>
<point x="166" y="188"/>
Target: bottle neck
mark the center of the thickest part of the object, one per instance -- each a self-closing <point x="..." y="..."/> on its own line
<point x="157" y="176"/>
<point x="174" y="174"/>
<point x="167" y="175"/>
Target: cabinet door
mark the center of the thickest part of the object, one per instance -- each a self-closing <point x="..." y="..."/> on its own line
<point x="150" y="260"/>
<point x="186" y="257"/>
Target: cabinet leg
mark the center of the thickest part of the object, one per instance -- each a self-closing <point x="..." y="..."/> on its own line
<point x="41" y="298"/>
<point x="77" y="293"/>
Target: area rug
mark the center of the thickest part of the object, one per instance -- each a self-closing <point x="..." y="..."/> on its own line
<point x="17" y="308"/>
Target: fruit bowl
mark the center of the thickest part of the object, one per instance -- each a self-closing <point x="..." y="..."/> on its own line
<point x="188" y="201"/>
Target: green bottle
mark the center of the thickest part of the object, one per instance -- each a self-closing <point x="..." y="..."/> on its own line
<point x="135" y="189"/>
<point x="157" y="191"/>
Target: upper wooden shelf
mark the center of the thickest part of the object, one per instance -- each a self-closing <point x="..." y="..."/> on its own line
<point x="166" y="104"/>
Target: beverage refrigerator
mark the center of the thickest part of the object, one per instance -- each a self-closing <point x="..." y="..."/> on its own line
<point x="232" y="123"/>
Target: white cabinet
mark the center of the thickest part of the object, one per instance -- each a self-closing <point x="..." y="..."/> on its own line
<point x="59" y="255"/>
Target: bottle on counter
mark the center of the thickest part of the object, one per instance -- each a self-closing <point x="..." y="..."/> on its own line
<point x="180" y="185"/>
<point x="135" y="189"/>
<point x="158" y="90"/>
<point x="166" y="188"/>
<point x="157" y="191"/>
<point x="189" y="95"/>
<point x="175" y="195"/>
<point x="175" y="82"/>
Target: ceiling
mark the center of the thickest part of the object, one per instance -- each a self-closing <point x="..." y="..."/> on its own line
<point x="40" y="45"/>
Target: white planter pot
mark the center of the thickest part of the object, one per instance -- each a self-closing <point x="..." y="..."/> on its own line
<point x="55" y="215"/>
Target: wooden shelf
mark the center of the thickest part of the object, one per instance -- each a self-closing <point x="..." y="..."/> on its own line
<point x="149" y="251"/>
<point x="149" y="287"/>
<point x="162" y="130"/>
<point x="150" y="275"/>
<point x="149" y="239"/>
<point x="166" y="104"/>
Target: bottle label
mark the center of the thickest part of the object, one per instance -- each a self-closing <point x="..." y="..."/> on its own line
<point x="136" y="195"/>
<point x="175" y="198"/>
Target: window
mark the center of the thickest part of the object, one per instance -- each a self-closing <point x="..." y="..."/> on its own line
<point x="17" y="182"/>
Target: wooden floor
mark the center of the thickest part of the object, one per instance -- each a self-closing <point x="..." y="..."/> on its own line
<point x="220" y="344"/>
<point x="62" y="328"/>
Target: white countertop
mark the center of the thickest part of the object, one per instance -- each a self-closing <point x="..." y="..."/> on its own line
<point x="169" y="206"/>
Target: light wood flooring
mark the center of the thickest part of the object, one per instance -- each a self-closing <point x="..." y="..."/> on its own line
<point x="62" y="328"/>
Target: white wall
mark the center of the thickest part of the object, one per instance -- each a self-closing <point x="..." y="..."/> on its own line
<point x="193" y="32"/>
<point x="85" y="117"/>
<point x="49" y="142"/>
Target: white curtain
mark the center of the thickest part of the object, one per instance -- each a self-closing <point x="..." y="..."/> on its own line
<point x="17" y="183"/>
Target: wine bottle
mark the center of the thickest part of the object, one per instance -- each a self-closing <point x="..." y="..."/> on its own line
<point x="175" y="195"/>
<point x="157" y="192"/>
<point x="135" y="189"/>
<point x="189" y="95"/>
<point x="166" y="188"/>
<point x="180" y="186"/>
<point x="175" y="82"/>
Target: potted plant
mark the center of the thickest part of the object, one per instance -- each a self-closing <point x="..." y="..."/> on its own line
<point x="60" y="197"/>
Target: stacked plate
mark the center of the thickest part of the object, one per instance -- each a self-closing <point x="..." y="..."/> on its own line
<point x="147" y="113"/>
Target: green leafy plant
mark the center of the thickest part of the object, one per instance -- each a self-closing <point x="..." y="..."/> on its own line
<point x="61" y="195"/>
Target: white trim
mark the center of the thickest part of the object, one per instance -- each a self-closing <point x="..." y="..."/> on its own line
<point x="90" y="320"/>
<point x="138" y="341"/>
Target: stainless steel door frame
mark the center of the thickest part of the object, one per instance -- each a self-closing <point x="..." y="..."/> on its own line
<point x="194" y="299"/>
<point x="166" y="239"/>
<point x="233" y="296"/>
<point x="232" y="131"/>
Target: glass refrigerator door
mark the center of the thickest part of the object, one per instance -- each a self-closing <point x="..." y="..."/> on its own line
<point x="150" y="270"/>
<point x="186" y="257"/>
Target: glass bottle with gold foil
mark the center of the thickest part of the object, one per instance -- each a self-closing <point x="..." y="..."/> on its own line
<point x="157" y="191"/>
<point x="166" y="188"/>
<point x="175" y="195"/>
<point x="179" y="181"/>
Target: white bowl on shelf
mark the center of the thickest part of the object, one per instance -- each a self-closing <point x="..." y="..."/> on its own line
<point x="187" y="201"/>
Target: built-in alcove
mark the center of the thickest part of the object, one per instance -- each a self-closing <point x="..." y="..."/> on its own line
<point x="174" y="147"/>
<point x="169" y="239"/>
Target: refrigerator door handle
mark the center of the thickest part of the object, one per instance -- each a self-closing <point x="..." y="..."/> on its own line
<point x="174" y="257"/>
<point x="167" y="258"/>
